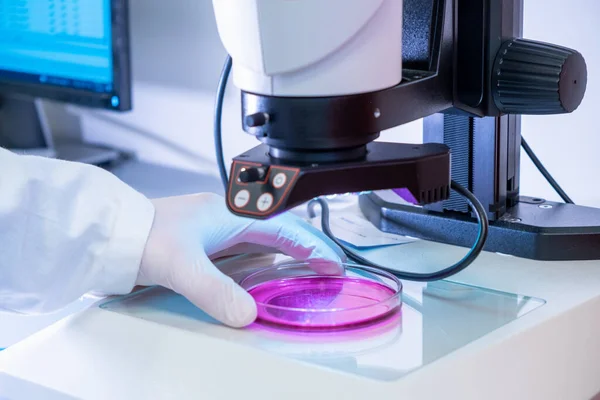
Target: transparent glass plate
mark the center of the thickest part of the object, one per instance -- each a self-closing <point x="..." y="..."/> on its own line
<point x="435" y="320"/>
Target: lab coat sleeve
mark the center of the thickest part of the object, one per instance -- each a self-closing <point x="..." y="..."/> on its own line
<point x="66" y="229"/>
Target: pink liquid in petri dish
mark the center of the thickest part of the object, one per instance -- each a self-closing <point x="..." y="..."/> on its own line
<point x="323" y="301"/>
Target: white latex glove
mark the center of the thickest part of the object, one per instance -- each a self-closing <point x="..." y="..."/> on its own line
<point x="190" y="230"/>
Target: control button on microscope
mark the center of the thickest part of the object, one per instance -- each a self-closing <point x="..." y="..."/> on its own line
<point x="242" y="198"/>
<point x="252" y="174"/>
<point x="264" y="202"/>
<point x="279" y="180"/>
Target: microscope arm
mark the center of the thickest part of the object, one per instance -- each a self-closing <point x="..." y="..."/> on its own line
<point x="321" y="80"/>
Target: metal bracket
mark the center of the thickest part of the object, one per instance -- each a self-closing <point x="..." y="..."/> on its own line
<point x="533" y="228"/>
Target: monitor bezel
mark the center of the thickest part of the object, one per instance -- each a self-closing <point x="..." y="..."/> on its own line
<point x="121" y="72"/>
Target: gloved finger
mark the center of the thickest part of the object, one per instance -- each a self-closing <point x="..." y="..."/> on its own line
<point x="244" y="248"/>
<point x="213" y="292"/>
<point x="298" y="239"/>
<point x="318" y="233"/>
<point x="239" y="266"/>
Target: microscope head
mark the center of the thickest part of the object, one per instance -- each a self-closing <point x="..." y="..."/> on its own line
<point x="321" y="80"/>
<point x="305" y="50"/>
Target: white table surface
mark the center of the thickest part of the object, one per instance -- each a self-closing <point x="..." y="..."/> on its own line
<point x="552" y="352"/>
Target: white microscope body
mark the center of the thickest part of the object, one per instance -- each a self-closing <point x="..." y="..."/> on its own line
<point x="312" y="47"/>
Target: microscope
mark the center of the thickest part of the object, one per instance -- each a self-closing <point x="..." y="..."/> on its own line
<point x="320" y="80"/>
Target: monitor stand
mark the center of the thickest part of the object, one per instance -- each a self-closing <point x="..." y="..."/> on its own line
<point x="24" y="129"/>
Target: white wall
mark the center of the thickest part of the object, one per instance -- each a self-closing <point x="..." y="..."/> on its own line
<point x="568" y="144"/>
<point x="177" y="57"/>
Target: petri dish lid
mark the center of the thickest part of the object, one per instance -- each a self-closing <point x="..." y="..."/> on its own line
<point x="295" y="295"/>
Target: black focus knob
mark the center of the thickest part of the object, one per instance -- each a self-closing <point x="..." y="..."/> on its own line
<point x="257" y="119"/>
<point x="248" y="175"/>
<point x="538" y="78"/>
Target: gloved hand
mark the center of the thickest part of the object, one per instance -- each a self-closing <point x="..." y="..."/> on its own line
<point x="189" y="230"/>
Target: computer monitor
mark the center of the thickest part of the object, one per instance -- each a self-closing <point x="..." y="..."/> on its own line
<point x="73" y="51"/>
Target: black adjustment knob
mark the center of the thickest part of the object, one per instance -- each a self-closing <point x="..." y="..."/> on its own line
<point x="258" y="119"/>
<point x="538" y="78"/>
<point x="248" y="175"/>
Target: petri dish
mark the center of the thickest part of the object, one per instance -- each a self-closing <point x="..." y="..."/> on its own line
<point x="295" y="295"/>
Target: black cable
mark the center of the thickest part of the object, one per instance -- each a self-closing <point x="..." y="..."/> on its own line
<point x="538" y="164"/>
<point x="414" y="276"/>
<point x="217" y="121"/>
<point x="421" y="277"/>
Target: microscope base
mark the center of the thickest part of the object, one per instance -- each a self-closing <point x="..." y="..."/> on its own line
<point x="534" y="228"/>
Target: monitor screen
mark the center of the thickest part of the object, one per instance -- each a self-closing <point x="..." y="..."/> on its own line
<point x="72" y="50"/>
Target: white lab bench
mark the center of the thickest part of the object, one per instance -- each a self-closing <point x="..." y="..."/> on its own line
<point x="533" y="333"/>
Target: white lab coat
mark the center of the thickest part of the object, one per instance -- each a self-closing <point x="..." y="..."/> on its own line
<point x="66" y="229"/>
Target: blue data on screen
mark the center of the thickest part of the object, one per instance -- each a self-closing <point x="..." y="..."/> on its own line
<point x="61" y="42"/>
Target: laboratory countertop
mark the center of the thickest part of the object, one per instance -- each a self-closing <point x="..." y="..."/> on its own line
<point x="155" y="346"/>
<point x="160" y="181"/>
<point x="504" y="328"/>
